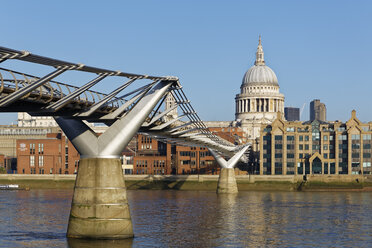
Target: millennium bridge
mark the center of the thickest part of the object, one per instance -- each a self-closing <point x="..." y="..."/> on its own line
<point x="99" y="208"/>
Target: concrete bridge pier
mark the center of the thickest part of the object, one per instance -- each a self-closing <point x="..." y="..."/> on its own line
<point x="99" y="208"/>
<point x="226" y="180"/>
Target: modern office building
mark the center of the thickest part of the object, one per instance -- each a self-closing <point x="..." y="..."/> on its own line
<point x="318" y="110"/>
<point x="292" y="114"/>
<point x="316" y="147"/>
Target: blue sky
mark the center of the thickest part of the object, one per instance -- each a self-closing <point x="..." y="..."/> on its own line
<point x="318" y="49"/>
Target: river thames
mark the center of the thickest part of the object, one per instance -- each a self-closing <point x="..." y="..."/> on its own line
<point x="38" y="218"/>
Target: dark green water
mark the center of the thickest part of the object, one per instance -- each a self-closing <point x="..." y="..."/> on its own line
<point x="38" y="218"/>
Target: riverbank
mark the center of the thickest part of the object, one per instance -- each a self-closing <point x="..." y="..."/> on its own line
<point x="206" y="182"/>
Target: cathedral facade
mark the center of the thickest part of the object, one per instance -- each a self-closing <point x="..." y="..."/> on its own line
<point x="259" y="99"/>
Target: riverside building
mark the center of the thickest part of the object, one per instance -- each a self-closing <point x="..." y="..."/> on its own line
<point x="316" y="147"/>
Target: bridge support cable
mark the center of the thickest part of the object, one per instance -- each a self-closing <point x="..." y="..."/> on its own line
<point x="25" y="90"/>
<point x="65" y="100"/>
<point x="119" y="111"/>
<point x="226" y="180"/>
<point x="157" y="117"/>
<point x="107" y="98"/>
<point x="99" y="207"/>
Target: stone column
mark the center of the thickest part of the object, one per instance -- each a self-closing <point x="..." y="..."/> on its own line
<point x="349" y="154"/>
<point x="261" y="151"/>
<point x="276" y="105"/>
<point x="361" y="150"/>
<point x="337" y="159"/>
<point x="99" y="206"/>
<point x="272" y="154"/>
<point x="284" y="156"/>
<point x="227" y="182"/>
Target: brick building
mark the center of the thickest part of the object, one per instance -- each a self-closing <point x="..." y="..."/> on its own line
<point x="52" y="155"/>
<point x="154" y="157"/>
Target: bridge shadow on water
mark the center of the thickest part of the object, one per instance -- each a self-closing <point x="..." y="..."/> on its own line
<point x="159" y="182"/>
<point x="94" y="243"/>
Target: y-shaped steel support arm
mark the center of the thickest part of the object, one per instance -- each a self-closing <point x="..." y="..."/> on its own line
<point x="232" y="161"/>
<point x="118" y="135"/>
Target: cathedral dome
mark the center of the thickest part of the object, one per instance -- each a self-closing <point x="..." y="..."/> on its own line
<point x="260" y="74"/>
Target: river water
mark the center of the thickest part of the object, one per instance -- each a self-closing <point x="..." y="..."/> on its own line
<point x="38" y="218"/>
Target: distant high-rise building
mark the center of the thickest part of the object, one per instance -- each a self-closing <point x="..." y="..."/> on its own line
<point x="292" y="114"/>
<point x="318" y="110"/>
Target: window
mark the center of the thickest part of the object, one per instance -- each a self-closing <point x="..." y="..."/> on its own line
<point x="278" y="137"/>
<point x="301" y="147"/>
<point x="366" y="155"/>
<point x="366" y="146"/>
<point x="306" y="138"/>
<point x="316" y="135"/>
<point x="366" y="137"/>
<point x="341" y="129"/>
<point x="290" y="129"/>
<point x="300" y="138"/>
<point x="325" y="137"/>
<point x="278" y="146"/>
<point x="32" y="148"/>
<point x="342" y="137"/>
<point x="355" y="146"/>
<point x="267" y="129"/>
<point x="290" y="137"/>
<point x="278" y="155"/>
<point x="306" y="147"/>
<point x="325" y="155"/>
<point x="41" y="148"/>
<point x="355" y="137"/>
<point x="366" y="164"/>
<point x="325" y="147"/>
<point x="32" y="161"/>
<point x="342" y="146"/>
<point x="316" y="147"/>
<point x="355" y="155"/>
<point x="290" y="155"/>
<point x="41" y="161"/>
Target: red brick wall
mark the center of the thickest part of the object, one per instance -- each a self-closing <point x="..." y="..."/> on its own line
<point x="49" y="156"/>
